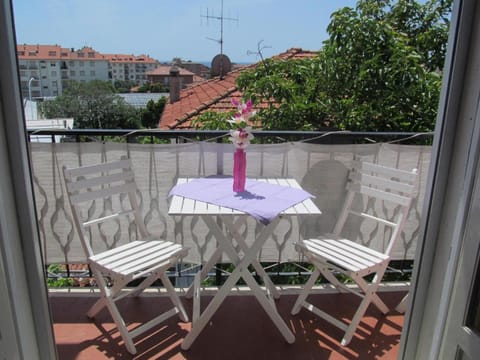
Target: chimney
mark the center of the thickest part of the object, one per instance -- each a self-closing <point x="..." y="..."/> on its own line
<point x="174" y="84"/>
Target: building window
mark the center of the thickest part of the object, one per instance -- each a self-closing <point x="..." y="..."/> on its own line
<point x="21" y="53"/>
<point x="81" y="55"/>
<point x="92" y="73"/>
<point x="53" y="73"/>
<point x="52" y="53"/>
<point x="72" y="73"/>
<point x="91" y="55"/>
<point x="64" y="54"/>
<point x="92" y="64"/>
<point x="81" y="64"/>
<point x="82" y="73"/>
<point x="23" y="73"/>
<point x="53" y="63"/>
<point x="32" y="53"/>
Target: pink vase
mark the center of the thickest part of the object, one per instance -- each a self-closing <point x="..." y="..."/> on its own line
<point x="239" y="170"/>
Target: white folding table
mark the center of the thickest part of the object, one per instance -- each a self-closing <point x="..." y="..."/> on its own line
<point x="241" y="255"/>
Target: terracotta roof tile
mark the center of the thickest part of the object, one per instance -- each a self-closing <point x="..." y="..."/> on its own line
<point x="214" y="95"/>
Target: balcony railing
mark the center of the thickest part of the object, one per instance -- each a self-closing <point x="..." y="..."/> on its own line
<point x="318" y="160"/>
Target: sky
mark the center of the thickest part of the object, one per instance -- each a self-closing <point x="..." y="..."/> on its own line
<point x="165" y="29"/>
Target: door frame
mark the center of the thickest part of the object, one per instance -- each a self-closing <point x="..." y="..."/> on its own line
<point x="451" y="177"/>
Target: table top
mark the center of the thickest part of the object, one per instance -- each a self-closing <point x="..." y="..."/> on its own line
<point x="180" y="205"/>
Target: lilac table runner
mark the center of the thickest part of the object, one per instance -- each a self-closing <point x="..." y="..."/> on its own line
<point x="260" y="199"/>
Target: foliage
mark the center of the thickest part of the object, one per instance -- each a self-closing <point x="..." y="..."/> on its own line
<point x="290" y="89"/>
<point x="93" y="105"/>
<point x="211" y="120"/>
<point x="375" y="76"/>
<point x="58" y="281"/>
<point x="123" y="86"/>
<point x="152" y="88"/>
<point x="378" y="71"/>
<point x="151" y="115"/>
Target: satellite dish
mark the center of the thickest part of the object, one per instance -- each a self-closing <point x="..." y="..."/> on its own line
<point x="221" y="65"/>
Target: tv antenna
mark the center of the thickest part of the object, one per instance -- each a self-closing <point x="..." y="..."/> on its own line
<point x="221" y="18"/>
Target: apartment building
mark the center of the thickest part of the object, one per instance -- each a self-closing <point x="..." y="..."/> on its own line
<point x="45" y="69"/>
<point x="130" y="67"/>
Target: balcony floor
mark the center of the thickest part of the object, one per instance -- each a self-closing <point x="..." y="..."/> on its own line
<point x="239" y="330"/>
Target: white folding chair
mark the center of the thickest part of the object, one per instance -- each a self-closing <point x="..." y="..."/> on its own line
<point x="333" y="254"/>
<point x="103" y="200"/>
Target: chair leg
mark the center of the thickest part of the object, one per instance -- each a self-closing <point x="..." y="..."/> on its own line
<point x="327" y="274"/>
<point x="375" y="299"/>
<point x="144" y="284"/>
<point x="305" y="291"/>
<point x="174" y="297"/>
<point x="106" y="292"/>
<point x="107" y="300"/>
<point x="370" y="294"/>
<point x="402" y="305"/>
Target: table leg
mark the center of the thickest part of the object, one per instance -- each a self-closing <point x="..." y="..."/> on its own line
<point x="205" y="269"/>
<point x="241" y="270"/>
<point x="233" y="227"/>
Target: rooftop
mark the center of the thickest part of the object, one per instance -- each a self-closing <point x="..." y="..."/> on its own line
<point x="213" y="95"/>
<point x="165" y="70"/>
<point x="57" y="52"/>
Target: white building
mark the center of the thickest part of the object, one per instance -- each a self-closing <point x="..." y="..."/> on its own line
<point x="45" y="69"/>
<point x="130" y="67"/>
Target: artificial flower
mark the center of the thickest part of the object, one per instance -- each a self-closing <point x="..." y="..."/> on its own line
<point x="244" y="112"/>
<point x="241" y="137"/>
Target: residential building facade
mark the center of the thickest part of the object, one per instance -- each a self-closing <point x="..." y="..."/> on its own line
<point x="130" y="67"/>
<point x="46" y="69"/>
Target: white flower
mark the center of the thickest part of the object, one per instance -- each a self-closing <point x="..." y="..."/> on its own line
<point x="241" y="137"/>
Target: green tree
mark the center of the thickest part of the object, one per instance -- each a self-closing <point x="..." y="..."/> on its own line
<point x="152" y="88"/>
<point x="151" y="115"/>
<point x="93" y="105"/>
<point x="123" y="86"/>
<point x="211" y="120"/>
<point x="376" y="76"/>
<point x="291" y="90"/>
<point x="380" y="70"/>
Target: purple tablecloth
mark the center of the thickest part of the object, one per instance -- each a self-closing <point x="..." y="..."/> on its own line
<point x="262" y="200"/>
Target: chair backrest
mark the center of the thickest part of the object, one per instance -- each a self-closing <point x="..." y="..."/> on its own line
<point x="100" y="194"/>
<point x="395" y="189"/>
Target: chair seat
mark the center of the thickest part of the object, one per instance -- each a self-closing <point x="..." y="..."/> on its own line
<point x="137" y="258"/>
<point x="344" y="253"/>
